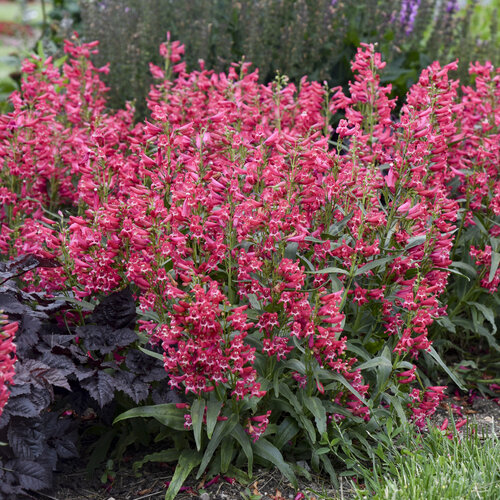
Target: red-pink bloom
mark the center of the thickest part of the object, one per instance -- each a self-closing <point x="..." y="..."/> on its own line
<point x="7" y="358"/>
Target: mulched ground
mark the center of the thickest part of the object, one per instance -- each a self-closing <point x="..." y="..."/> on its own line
<point x="71" y="482"/>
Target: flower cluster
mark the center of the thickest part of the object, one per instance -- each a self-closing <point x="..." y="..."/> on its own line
<point x="256" y="426"/>
<point x="252" y="242"/>
<point x="7" y="357"/>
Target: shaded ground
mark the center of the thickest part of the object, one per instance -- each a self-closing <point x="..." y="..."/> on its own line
<point x="71" y="482"/>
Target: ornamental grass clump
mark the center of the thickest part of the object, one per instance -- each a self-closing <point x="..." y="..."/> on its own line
<point x="288" y="286"/>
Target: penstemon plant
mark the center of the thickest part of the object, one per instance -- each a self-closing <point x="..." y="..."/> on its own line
<point x="289" y="285"/>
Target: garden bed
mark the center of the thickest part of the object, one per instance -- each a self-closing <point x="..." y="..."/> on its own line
<point x="72" y="481"/>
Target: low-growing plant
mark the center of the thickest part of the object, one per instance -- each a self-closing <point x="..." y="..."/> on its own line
<point x="436" y="465"/>
<point x="286" y="282"/>
<point x="56" y="376"/>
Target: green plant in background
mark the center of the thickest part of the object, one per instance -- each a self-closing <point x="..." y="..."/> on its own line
<point x="47" y="21"/>
<point x="60" y="19"/>
<point x="313" y="37"/>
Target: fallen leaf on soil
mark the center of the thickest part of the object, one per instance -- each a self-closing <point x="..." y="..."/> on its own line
<point x="255" y="488"/>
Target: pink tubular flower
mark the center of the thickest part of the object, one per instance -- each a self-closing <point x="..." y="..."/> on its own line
<point x="425" y="406"/>
<point x="7" y="358"/>
<point x="407" y="376"/>
<point x="255" y="430"/>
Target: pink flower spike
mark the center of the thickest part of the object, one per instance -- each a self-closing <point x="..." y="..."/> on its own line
<point x="444" y="425"/>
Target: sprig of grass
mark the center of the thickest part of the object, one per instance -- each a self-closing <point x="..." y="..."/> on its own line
<point x="435" y="467"/>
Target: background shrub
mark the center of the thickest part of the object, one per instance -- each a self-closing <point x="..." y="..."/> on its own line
<point x="295" y="37"/>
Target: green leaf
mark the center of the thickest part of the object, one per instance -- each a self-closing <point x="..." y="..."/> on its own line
<point x="308" y="427"/>
<point x="296" y="365"/>
<point x="445" y="322"/>
<point x="314" y="405"/>
<point x="254" y="301"/>
<point x="167" y="414"/>
<point x="434" y="355"/>
<point x="267" y="451"/>
<point x="327" y="464"/>
<point x="329" y="270"/>
<point x="292" y="398"/>
<point x="376" y="363"/>
<point x="480" y="225"/>
<point x="347" y="385"/>
<point x="188" y="460"/>
<point x="359" y="351"/>
<point x="222" y="429"/>
<point x="60" y="61"/>
<point x="83" y="304"/>
<point x="487" y="313"/>
<point x="197" y="412"/>
<point x="151" y="353"/>
<point x="372" y="265"/>
<point x="313" y="240"/>
<point x="239" y="475"/>
<point x="213" y="410"/>
<point x="415" y="241"/>
<point x="242" y="437"/>
<point x="453" y="271"/>
<point x="287" y="430"/>
<point x="307" y="261"/>
<point x="335" y="228"/>
<point x="301" y="471"/>
<point x="465" y="267"/>
<point x="337" y="285"/>
<point x="291" y="250"/>
<point x="171" y="455"/>
<point x="495" y="261"/>
<point x="226" y="454"/>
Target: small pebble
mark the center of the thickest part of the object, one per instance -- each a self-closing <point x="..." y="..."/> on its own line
<point x="205" y="496"/>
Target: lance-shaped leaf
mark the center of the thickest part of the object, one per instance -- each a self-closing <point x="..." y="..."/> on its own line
<point x="269" y="452"/>
<point x="167" y="414"/>
<point x="197" y="411"/>
<point x="188" y="460"/>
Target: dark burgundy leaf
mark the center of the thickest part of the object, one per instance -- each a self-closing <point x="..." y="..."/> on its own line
<point x="104" y="338"/>
<point x="84" y="373"/>
<point x="27" y="335"/>
<point x="4" y="420"/>
<point x="56" y="377"/>
<point x="100" y="386"/>
<point x="26" y="441"/>
<point x="48" y="460"/>
<point x="11" y="306"/>
<point x="64" y="364"/>
<point x="23" y="264"/>
<point x="116" y="310"/>
<point x="97" y="337"/>
<point x="32" y="475"/>
<point x="66" y="448"/>
<point x="124" y="337"/>
<point x="43" y="375"/>
<point x="164" y="394"/>
<point x="21" y="406"/>
<point x="19" y="389"/>
<point x="131" y="385"/>
<point x="9" y="490"/>
<point x="41" y="397"/>
<point x="148" y="368"/>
